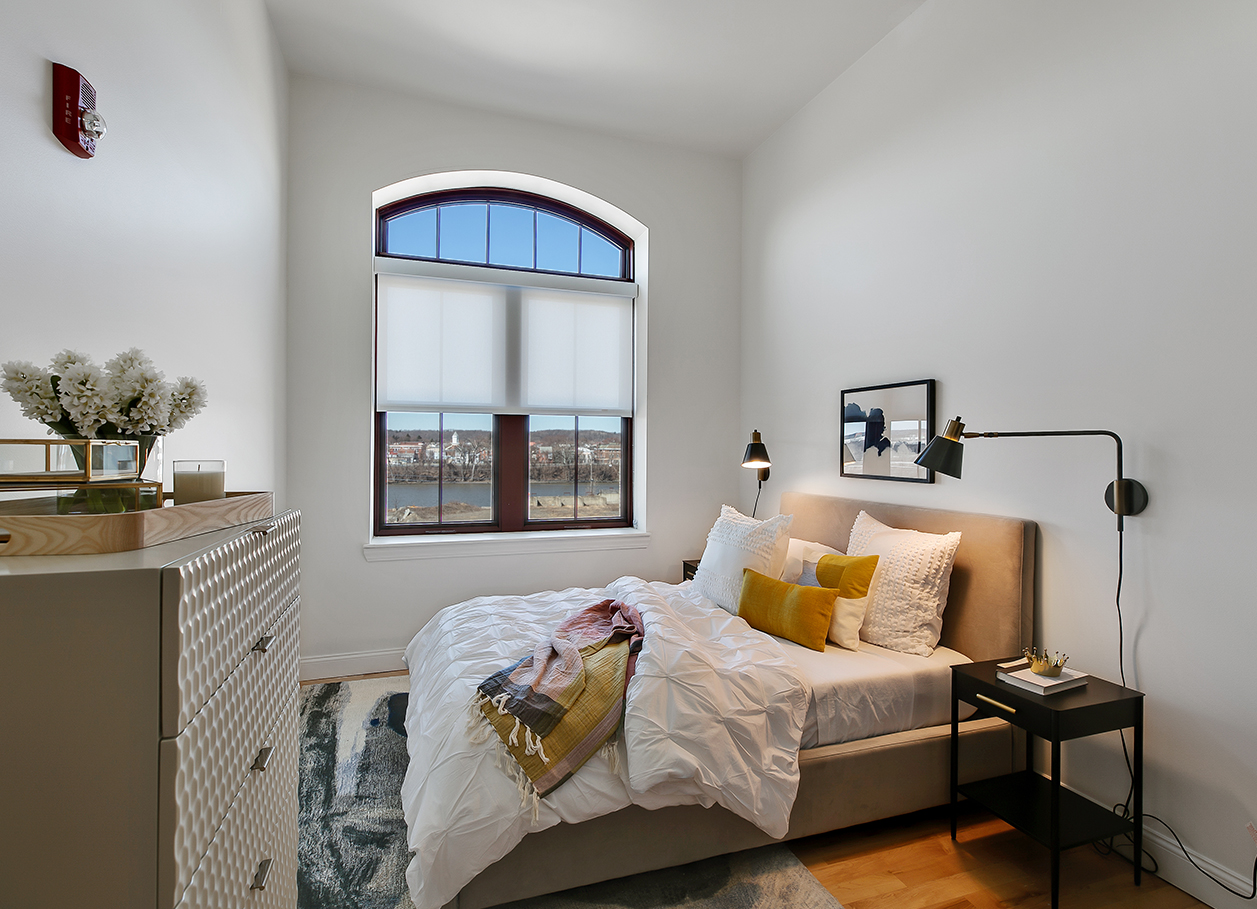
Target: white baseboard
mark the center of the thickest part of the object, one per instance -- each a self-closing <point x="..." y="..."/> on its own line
<point x="1177" y="870"/>
<point x="1174" y="868"/>
<point x="336" y="665"/>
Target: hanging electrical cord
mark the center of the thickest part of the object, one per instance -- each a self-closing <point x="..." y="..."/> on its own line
<point x="1124" y="497"/>
<point x="1122" y="809"/>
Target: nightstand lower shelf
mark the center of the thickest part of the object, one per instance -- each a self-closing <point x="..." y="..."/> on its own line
<point x="1035" y="804"/>
<point x="1024" y="800"/>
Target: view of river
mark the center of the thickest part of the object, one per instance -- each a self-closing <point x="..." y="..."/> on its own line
<point x="478" y="494"/>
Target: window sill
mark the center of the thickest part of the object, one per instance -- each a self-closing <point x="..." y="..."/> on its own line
<point x="453" y="546"/>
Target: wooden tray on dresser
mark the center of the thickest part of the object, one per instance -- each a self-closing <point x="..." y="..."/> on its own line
<point x="80" y="534"/>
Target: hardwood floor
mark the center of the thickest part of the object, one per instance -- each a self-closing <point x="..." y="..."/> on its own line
<point x="912" y="863"/>
<point x="351" y="678"/>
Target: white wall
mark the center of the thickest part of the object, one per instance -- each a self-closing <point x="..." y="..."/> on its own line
<point x="345" y="142"/>
<point x="171" y="238"/>
<point x="1050" y="207"/>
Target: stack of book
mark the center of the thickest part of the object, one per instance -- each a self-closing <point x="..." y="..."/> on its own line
<point x="1043" y="684"/>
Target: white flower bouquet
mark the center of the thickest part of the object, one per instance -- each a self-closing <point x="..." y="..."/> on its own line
<point x="126" y="399"/>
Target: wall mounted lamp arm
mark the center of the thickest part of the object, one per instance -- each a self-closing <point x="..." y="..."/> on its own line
<point x="1123" y="496"/>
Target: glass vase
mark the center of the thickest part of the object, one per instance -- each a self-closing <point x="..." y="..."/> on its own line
<point x="151" y="458"/>
<point x="113" y="499"/>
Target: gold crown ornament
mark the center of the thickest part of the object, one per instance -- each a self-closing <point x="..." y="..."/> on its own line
<point x="1042" y="664"/>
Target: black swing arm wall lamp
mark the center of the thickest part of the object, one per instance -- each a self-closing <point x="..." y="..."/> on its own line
<point x="944" y="453"/>
<point x="756" y="458"/>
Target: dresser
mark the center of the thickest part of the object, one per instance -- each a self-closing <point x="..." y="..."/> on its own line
<point x="148" y="724"/>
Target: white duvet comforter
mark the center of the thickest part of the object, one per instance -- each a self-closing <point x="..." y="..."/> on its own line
<point x="714" y="715"/>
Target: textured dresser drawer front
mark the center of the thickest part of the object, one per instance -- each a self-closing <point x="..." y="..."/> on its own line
<point x="261" y="825"/>
<point x="203" y="769"/>
<point x="216" y="606"/>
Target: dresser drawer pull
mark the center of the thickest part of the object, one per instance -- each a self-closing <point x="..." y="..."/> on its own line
<point x="259" y="879"/>
<point x="264" y="529"/>
<point x="5" y="536"/>
<point x="995" y="703"/>
<point x="263" y="758"/>
<point x="263" y="643"/>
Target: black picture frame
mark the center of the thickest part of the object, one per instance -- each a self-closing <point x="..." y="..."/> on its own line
<point x="902" y="425"/>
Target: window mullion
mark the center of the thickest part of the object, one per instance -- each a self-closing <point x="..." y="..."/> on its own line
<point x="512" y="470"/>
<point x="440" y="469"/>
<point x="575" y="468"/>
<point x="514" y="358"/>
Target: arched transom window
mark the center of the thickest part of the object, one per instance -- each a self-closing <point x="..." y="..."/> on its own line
<point x="504" y="229"/>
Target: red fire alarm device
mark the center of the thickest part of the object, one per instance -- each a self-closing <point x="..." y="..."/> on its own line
<point x="74" y="118"/>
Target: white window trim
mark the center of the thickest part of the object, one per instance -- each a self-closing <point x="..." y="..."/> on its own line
<point x="454" y="545"/>
<point x="466" y="545"/>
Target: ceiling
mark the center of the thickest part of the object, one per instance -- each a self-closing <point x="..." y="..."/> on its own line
<point x="718" y="75"/>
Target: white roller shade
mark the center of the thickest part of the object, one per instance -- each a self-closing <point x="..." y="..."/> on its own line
<point x="465" y="346"/>
<point x="441" y="345"/>
<point x="577" y="353"/>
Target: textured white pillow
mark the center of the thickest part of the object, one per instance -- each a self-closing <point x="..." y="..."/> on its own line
<point x="737" y="542"/>
<point x="800" y="551"/>
<point x="845" y="622"/>
<point x="909" y="588"/>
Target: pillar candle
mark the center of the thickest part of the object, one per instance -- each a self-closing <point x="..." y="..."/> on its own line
<point x="199" y="481"/>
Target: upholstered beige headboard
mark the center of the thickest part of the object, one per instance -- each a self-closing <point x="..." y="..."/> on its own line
<point x="990" y="606"/>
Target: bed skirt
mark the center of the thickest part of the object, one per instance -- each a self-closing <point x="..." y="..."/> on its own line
<point x="839" y="786"/>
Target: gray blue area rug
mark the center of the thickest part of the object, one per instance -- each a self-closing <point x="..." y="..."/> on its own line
<point x="351" y="847"/>
<point x="352" y="844"/>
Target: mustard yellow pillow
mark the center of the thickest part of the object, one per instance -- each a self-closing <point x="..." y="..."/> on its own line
<point x="799" y="614"/>
<point x="849" y="575"/>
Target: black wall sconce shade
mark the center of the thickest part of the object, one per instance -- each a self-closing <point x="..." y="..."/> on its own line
<point x="757" y="455"/>
<point x="945" y="453"/>
<point x="757" y="459"/>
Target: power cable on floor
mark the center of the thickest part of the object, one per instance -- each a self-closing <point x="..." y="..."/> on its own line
<point x="1122" y="809"/>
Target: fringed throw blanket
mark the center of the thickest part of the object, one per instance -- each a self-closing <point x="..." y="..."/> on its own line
<point x="555" y="708"/>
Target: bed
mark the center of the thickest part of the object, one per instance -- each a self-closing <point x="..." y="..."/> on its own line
<point x="988" y="615"/>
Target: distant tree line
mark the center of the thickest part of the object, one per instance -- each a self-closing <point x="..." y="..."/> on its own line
<point x="472" y="459"/>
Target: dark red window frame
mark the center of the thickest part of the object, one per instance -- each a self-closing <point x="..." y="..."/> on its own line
<point x="510" y="485"/>
<point x="513" y="197"/>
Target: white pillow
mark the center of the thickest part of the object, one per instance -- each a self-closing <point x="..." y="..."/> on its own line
<point x="909" y="588"/>
<point x="845" y="622"/>
<point x="800" y="551"/>
<point x="848" y="614"/>
<point x="737" y="542"/>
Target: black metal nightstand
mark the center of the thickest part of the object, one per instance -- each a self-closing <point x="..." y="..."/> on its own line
<point x="689" y="568"/>
<point x="1039" y="806"/>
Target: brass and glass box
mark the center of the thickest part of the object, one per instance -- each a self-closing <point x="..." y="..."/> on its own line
<point x="73" y="476"/>
<point x="57" y="461"/>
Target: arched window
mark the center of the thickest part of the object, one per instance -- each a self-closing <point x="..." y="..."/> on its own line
<point x="504" y="365"/>
<point x="504" y="229"/>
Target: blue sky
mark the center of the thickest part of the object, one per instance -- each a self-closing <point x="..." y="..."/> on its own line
<point x="494" y="233"/>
